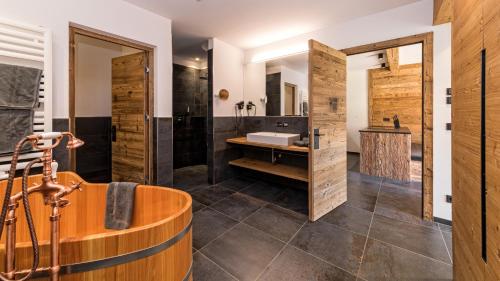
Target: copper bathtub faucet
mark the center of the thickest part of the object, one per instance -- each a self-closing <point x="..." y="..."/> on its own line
<point x="53" y="195"/>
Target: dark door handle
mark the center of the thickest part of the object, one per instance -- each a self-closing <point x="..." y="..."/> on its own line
<point x="316" y="138"/>
<point x="113" y="133"/>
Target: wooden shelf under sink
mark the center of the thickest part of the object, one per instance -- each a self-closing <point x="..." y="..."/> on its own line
<point x="244" y="141"/>
<point x="282" y="170"/>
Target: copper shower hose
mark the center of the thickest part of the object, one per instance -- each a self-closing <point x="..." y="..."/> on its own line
<point x="27" y="210"/>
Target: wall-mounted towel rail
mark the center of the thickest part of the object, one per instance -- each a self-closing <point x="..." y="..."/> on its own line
<point x="31" y="46"/>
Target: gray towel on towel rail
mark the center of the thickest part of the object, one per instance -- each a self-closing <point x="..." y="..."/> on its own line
<point x="19" y="89"/>
<point x="120" y="205"/>
<point x="19" y="86"/>
<point x="14" y="125"/>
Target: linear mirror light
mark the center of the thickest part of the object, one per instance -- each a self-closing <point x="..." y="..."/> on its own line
<point x="280" y="53"/>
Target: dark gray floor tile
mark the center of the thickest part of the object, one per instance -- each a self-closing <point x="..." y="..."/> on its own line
<point x="206" y="270"/>
<point x="420" y="239"/>
<point x="293" y="199"/>
<point x="276" y="221"/>
<point x="359" y="177"/>
<point x="295" y="265"/>
<point x="447" y="239"/>
<point x="413" y="185"/>
<point x="244" y="252"/>
<point x="237" y="183"/>
<point x="401" y="204"/>
<point x="362" y="194"/>
<point x="335" y="245"/>
<point x="445" y="227"/>
<point x="351" y="218"/>
<point x="264" y="191"/>
<point x="211" y="195"/>
<point x="197" y="206"/>
<point x="238" y="206"/>
<point x="191" y="178"/>
<point x="386" y="262"/>
<point x="207" y="225"/>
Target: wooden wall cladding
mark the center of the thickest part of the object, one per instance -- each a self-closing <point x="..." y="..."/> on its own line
<point x="397" y="91"/>
<point x="443" y="11"/>
<point x="476" y="27"/>
<point x="328" y="164"/>
<point x="492" y="70"/>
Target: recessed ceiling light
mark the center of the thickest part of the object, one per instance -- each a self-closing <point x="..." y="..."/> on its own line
<point x="197" y="59"/>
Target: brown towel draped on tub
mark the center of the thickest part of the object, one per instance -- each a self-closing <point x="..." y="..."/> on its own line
<point x="120" y="205"/>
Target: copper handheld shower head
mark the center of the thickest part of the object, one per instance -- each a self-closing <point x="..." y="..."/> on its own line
<point x="74" y="142"/>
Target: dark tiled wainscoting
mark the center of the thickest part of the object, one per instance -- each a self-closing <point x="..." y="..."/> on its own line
<point x="162" y="153"/>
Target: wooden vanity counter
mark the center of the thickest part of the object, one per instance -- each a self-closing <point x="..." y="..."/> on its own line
<point x="386" y="152"/>
<point x="278" y="169"/>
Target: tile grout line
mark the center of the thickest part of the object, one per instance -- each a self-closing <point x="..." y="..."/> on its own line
<point x="323" y="260"/>
<point x="280" y="251"/>
<point x="216" y="264"/>
<point x="446" y="246"/>
<point x="369" y="229"/>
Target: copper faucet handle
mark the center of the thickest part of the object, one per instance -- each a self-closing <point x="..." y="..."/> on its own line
<point x="76" y="186"/>
<point x="63" y="202"/>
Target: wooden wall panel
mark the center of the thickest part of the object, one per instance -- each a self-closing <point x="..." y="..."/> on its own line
<point x="443" y="11"/>
<point x="492" y="47"/>
<point x="327" y="97"/>
<point x="466" y="139"/>
<point x="397" y="91"/>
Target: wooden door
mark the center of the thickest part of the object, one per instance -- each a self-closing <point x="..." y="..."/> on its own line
<point x="327" y="125"/>
<point x="476" y="139"/>
<point x="129" y="150"/>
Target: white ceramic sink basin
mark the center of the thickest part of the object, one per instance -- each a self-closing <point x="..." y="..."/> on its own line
<point x="273" y="138"/>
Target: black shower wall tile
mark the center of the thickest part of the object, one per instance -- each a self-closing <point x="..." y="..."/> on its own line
<point x="61" y="154"/>
<point x="162" y="153"/>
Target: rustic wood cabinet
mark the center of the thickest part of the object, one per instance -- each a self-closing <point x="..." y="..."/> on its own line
<point x="476" y="139"/>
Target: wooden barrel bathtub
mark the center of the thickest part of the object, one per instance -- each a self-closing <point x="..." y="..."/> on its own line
<point x="158" y="245"/>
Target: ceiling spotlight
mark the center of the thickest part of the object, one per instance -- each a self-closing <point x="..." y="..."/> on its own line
<point x="197" y="59"/>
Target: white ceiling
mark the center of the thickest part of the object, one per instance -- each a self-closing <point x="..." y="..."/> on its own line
<point x="252" y="23"/>
<point x="297" y="63"/>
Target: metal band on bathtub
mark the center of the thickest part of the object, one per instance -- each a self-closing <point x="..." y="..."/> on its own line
<point x="122" y="259"/>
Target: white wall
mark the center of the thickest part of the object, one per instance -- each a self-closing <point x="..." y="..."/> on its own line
<point x="407" y="20"/>
<point x="113" y="16"/>
<point x="228" y="74"/>
<point x="357" y="106"/>
<point x="255" y="85"/>
<point x="442" y="115"/>
<point x="293" y="77"/>
<point x="93" y="75"/>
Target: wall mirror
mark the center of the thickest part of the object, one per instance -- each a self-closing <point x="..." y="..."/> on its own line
<point x="278" y="87"/>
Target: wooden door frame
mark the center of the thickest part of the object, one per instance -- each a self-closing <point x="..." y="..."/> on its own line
<point x="75" y="29"/>
<point x="294" y="102"/>
<point x="426" y="39"/>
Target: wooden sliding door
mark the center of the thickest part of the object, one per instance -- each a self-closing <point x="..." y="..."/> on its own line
<point x="476" y="139"/>
<point x="129" y="122"/>
<point x="327" y="125"/>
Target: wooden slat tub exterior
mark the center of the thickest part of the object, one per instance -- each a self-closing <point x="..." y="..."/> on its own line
<point x="159" y="215"/>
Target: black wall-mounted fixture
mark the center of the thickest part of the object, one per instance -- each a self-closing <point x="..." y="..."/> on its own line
<point x="448" y="91"/>
<point x="448" y="126"/>
<point x="448" y="100"/>
<point x="380" y="56"/>
<point x="386" y="119"/>
<point x="448" y="198"/>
